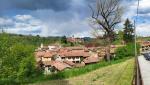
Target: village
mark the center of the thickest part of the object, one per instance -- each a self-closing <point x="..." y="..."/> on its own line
<point x="54" y="58"/>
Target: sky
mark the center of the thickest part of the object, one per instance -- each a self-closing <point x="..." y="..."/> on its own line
<point x="63" y="17"/>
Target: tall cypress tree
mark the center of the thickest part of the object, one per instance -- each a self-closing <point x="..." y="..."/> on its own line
<point x="128" y="35"/>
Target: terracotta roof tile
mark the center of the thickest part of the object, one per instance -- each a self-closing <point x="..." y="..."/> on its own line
<point x="146" y="43"/>
<point x="49" y="54"/>
<point x="75" y="53"/>
<point x="91" y="60"/>
<point x="69" y="63"/>
<point x="39" y="53"/>
<point x="57" y="64"/>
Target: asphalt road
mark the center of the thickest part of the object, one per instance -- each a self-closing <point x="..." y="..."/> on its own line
<point x="145" y="69"/>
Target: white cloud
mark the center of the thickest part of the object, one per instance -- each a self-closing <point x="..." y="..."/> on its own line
<point x="21" y="24"/>
<point x="143" y="29"/>
<point x="144" y="4"/>
<point x="23" y="17"/>
<point x="131" y="8"/>
<point x="142" y="24"/>
<point x="5" y="21"/>
<point x="31" y="25"/>
<point x="71" y="27"/>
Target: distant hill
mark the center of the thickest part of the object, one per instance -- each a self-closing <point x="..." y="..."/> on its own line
<point x="32" y="40"/>
<point x="144" y="38"/>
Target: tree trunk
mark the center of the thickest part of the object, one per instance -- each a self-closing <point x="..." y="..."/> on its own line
<point x="108" y="55"/>
<point x="108" y="48"/>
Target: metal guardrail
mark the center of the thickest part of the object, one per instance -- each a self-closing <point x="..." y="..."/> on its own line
<point x="137" y="77"/>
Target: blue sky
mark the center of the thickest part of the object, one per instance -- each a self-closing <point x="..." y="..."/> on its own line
<point x="62" y="17"/>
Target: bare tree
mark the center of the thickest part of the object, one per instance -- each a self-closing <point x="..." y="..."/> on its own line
<point x="106" y="16"/>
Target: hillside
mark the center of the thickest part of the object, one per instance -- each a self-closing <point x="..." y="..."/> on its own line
<point x="117" y="74"/>
<point x="29" y="39"/>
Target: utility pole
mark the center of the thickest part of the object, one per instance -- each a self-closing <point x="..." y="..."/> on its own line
<point x="135" y="48"/>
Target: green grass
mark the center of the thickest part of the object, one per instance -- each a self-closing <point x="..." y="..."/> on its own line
<point x="115" y="74"/>
<point x="77" y="71"/>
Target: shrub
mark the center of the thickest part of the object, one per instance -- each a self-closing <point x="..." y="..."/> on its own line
<point x="126" y="51"/>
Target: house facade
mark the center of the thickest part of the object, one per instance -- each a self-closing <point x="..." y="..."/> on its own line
<point x="145" y="47"/>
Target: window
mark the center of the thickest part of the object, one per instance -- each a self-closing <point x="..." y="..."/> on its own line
<point x="73" y="58"/>
<point x="52" y="69"/>
<point x="77" y="62"/>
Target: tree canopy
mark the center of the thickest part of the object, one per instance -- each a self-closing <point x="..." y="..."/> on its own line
<point x="128" y="35"/>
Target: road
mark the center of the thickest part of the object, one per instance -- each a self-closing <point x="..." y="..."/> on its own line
<point x="145" y="69"/>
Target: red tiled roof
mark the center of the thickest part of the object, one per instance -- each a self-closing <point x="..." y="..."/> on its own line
<point x="69" y="63"/>
<point x="74" y="53"/>
<point x="60" y="65"/>
<point x="57" y="64"/>
<point x="49" y="54"/>
<point x="146" y="43"/>
<point x="39" y="53"/>
<point x="91" y="60"/>
<point x="66" y="52"/>
<point x="71" y="39"/>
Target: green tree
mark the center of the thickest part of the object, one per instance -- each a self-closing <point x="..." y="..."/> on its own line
<point x="127" y="51"/>
<point x="72" y="44"/>
<point x="119" y="38"/>
<point x="27" y="69"/>
<point x="128" y="35"/>
<point x="15" y="59"/>
<point x="120" y="35"/>
<point x="64" y="40"/>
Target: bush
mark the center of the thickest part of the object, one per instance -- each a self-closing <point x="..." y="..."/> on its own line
<point x="126" y="51"/>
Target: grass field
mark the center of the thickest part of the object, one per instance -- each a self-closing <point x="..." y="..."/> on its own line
<point x="117" y="74"/>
